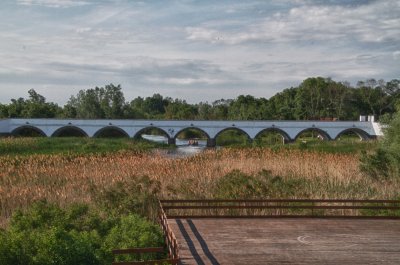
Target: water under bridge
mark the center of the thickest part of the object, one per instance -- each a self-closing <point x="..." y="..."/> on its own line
<point x="289" y="130"/>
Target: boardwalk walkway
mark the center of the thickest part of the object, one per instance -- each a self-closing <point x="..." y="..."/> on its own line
<point x="287" y="241"/>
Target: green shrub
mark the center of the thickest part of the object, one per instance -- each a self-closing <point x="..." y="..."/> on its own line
<point x="138" y="195"/>
<point x="376" y="165"/>
<point x="46" y="234"/>
<point x="385" y="162"/>
<point x="133" y="231"/>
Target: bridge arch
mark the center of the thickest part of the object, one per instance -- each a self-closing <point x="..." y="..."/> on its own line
<point x="69" y="131"/>
<point x="194" y="128"/>
<point x="324" y="134"/>
<point x="111" y="131"/>
<point x="28" y="129"/>
<point x="140" y="132"/>
<point x="242" y="138"/>
<point x="363" y="135"/>
<point x="232" y="128"/>
<point x="281" y="132"/>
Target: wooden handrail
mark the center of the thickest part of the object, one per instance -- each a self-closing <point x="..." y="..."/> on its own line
<point x="282" y="207"/>
<point x="278" y="200"/>
<point x="245" y="208"/>
<point x="169" y="235"/>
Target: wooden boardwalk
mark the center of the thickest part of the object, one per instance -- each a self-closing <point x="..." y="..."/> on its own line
<point x="287" y="241"/>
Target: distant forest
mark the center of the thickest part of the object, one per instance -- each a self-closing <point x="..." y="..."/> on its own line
<point x="315" y="98"/>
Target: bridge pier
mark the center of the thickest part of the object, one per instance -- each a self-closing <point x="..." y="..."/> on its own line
<point x="171" y="141"/>
<point x="211" y="142"/>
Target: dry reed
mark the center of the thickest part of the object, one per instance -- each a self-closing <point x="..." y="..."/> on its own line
<point x="66" y="179"/>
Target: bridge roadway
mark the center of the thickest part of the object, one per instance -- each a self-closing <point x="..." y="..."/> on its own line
<point x="288" y="241"/>
<point x="289" y="130"/>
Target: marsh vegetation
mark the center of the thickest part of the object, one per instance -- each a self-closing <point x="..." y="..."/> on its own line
<point x="74" y="199"/>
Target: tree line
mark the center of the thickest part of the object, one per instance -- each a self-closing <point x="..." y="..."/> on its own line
<point x="315" y="98"/>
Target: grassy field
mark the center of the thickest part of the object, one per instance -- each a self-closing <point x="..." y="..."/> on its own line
<point x="115" y="173"/>
<point x="73" y="145"/>
<point x="348" y="146"/>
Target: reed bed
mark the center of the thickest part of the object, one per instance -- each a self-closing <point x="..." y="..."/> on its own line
<point x="64" y="179"/>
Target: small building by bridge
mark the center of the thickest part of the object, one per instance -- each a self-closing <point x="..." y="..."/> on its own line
<point x="289" y="130"/>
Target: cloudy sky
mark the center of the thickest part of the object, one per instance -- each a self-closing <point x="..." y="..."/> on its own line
<point x="193" y="50"/>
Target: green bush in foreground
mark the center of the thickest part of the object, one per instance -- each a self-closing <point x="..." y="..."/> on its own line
<point x="385" y="161"/>
<point x="46" y="234"/>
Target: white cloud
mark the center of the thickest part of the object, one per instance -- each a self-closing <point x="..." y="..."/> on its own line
<point x="83" y="30"/>
<point x="396" y="55"/>
<point x="53" y="3"/>
<point x="374" y="23"/>
<point x="197" y="52"/>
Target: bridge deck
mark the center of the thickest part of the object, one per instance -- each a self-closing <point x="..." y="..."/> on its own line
<point x="288" y="241"/>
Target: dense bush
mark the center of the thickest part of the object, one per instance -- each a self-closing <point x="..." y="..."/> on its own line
<point x="137" y="194"/>
<point x="133" y="231"/>
<point x="46" y="234"/>
<point x="385" y="162"/>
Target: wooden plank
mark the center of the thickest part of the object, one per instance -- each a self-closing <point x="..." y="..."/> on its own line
<point x="288" y="241"/>
<point x="137" y="250"/>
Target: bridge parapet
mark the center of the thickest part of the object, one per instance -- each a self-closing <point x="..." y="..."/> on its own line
<point x="289" y="130"/>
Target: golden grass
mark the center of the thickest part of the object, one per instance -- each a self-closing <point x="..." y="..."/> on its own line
<point x="65" y="179"/>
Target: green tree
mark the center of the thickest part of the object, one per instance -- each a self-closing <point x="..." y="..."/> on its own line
<point x="154" y="107"/>
<point x="3" y="111"/>
<point x="372" y="97"/>
<point x="180" y="110"/>
<point x="204" y="111"/>
<point x="37" y="107"/>
<point x="33" y="107"/>
<point x="392" y="89"/>
<point x="97" y="103"/>
<point x="112" y="101"/>
<point x="134" y="110"/>
<point x="282" y="106"/>
<point x="220" y="109"/>
<point x="311" y="99"/>
<point x="245" y="108"/>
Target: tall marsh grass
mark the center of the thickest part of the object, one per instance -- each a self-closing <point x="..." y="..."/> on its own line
<point x="64" y="179"/>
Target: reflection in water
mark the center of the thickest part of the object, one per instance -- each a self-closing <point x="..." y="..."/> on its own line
<point x="155" y="138"/>
<point x="183" y="148"/>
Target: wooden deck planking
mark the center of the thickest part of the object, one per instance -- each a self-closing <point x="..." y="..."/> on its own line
<point x="288" y="241"/>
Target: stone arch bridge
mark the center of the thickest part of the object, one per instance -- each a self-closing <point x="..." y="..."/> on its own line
<point x="289" y="130"/>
